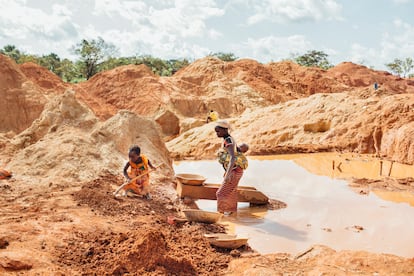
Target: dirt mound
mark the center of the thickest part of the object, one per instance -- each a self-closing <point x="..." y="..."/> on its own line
<point x="397" y="145"/>
<point x="44" y="78"/>
<point x="260" y="79"/>
<point x="22" y="101"/>
<point x="283" y="81"/>
<point x="68" y="142"/>
<point x="320" y="260"/>
<point x="11" y="76"/>
<point x="145" y="251"/>
<point x="305" y="81"/>
<point x="208" y="84"/>
<point x="191" y="92"/>
<point x="321" y="122"/>
<point x="150" y="247"/>
<point x="358" y="76"/>
<point x="131" y="87"/>
<point x="355" y="75"/>
<point x="230" y="88"/>
<point x="98" y="195"/>
<point x="200" y="74"/>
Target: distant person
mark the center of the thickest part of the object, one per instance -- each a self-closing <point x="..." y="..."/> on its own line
<point x="375" y="86"/>
<point x="212" y="116"/>
<point x="137" y="165"/>
<point x="227" y="193"/>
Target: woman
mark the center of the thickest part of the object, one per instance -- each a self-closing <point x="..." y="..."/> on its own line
<point x="227" y="194"/>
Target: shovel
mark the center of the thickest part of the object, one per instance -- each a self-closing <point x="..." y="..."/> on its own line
<point x="135" y="178"/>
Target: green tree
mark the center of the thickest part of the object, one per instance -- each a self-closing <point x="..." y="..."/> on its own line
<point x="51" y="62"/>
<point x="29" y="58"/>
<point x="69" y="71"/>
<point x="157" y="65"/>
<point x="395" y="66"/>
<point x="12" y="52"/>
<point x="224" y="56"/>
<point x="407" y="66"/>
<point x="92" y="54"/>
<point x="114" y="62"/>
<point x="19" y="56"/>
<point x="176" y="64"/>
<point x="162" y="67"/>
<point x="314" y="58"/>
<point x="401" y="67"/>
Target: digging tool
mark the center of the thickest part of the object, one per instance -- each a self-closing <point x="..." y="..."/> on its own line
<point x="135" y="178"/>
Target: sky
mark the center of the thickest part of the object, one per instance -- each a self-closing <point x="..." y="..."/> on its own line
<point x="367" y="32"/>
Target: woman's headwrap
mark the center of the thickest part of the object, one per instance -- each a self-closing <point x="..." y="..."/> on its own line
<point x="223" y="124"/>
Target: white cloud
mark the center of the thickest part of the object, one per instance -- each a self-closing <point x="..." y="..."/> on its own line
<point x="147" y="42"/>
<point x="158" y="28"/>
<point x="273" y="48"/>
<point x="20" y="22"/>
<point x="399" y="44"/>
<point x="184" y="18"/>
<point x="131" y="10"/>
<point x="214" y="34"/>
<point x="369" y="57"/>
<point x="402" y="1"/>
<point x="192" y="29"/>
<point x="295" y="10"/>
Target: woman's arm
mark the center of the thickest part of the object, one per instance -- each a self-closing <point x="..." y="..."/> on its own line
<point x="150" y="164"/>
<point x="126" y="171"/>
<point x="230" y="149"/>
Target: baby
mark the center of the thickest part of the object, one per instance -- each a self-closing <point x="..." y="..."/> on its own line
<point x="243" y="148"/>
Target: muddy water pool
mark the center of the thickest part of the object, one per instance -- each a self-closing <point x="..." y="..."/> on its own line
<point x="321" y="207"/>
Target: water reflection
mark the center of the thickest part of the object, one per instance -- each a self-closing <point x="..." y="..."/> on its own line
<point x="396" y="196"/>
<point x="349" y="165"/>
<point x="321" y="209"/>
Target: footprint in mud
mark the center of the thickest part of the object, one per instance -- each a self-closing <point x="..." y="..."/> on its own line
<point x="3" y="243"/>
<point x="355" y="228"/>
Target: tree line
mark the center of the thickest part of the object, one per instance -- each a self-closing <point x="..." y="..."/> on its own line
<point x="399" y="67"/>
<point x="96" y="55"/>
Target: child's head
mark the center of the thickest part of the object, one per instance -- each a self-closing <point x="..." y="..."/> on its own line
<point x="243" y="147"/>
<point x="134" y="153"/>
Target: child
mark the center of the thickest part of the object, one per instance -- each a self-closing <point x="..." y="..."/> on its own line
<point x="243" y="148"/>
<point x="240" y="158"/>
<point x="138" y="164"/>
